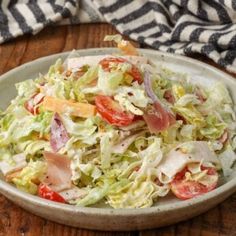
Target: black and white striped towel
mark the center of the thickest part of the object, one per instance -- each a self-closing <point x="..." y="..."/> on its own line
<point x="207" y="27"/>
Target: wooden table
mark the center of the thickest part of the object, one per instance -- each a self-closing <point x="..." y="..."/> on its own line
<point x="15" y="221"/>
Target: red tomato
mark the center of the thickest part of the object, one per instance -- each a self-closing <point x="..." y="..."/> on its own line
<point x="157" y="118"/>
<point x="134" y="72"/>
<point x="112" y="112"/>
<point x="45" y="192"/>
<point x="183" y="189"/>
<point x="31" y="104"/>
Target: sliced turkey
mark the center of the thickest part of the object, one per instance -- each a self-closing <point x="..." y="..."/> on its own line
<point x="189" y="152"/>
<point x="59" y="174"/>
<point x="73" y="193"/>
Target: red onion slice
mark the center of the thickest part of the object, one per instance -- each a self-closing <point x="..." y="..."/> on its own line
<point x="148" y="86"/>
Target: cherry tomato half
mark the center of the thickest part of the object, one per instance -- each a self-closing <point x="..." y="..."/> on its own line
<point x="134" y="72"/>
<point x="31" y="104"/>
<point x="183" y="189"/>
<point x="112" y="112"/>
<point x="46" y="192"/>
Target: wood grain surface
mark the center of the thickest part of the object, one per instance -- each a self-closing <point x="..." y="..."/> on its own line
<point x="15" y="221"/>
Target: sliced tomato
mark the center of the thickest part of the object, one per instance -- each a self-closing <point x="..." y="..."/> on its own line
<point x="31" y="104"/>
<point x="184" y="190"/>
<point x="46" y="192"/>
<point x="158" y="118"/>
<point x="112" y="112"/>
<point x="134" y="72"/>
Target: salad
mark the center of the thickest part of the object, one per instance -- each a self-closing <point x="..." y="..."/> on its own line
<point x="116" y="129"/>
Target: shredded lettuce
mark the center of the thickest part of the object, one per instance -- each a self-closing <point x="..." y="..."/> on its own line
<point x="82" y="129"/>
<point x="94" y="196"/>
<point x="132" y="98"/>
<point x="33" y="148"/>
<point x="108" y="82"/>
<point x="191" y="114"/>
<point x="228" y="159"/>
<point x="88" y="77"/>
<point x="26" y="88"/>
<point x="106" y="148"/>
<point x="32" y="173"/>
<point x="213" y="129"/>
<point x="218" y="95"/>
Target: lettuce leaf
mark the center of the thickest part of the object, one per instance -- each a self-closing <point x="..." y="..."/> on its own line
<point x="54" y="69"/>
<point x="132" y="98"/>
<point x="26" y="88"/>
<point x="33" y="147"/>
<point x="108" y="82"/>
<point x="132" y="195"/>
<point x="227" y="159"/>
<point x="213" y="129"/>
<point x="188" y="132"/>
<point x="187" y="99"/>
<point x="25" y="181"/>
<point x="106" y="148"/>
<point x="88" y="77"/>
<point x="218" y="95"/>
<point x="95" y="195"/>
<point x="190" y="114"/>
<point x="82" y="128"/>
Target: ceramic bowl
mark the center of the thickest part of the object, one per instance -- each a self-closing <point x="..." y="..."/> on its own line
<point x="166" y="211"/>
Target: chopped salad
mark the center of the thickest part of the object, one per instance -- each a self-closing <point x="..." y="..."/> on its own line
<point x="116" y="129"/>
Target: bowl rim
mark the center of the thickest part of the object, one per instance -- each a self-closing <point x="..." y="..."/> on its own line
<point x="6" y="188"/>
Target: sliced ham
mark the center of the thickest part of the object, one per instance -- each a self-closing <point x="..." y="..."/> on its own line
<point x="75" y="63"/>
<point x="19" y="162"/>
<point x="59" y="135"/>
<point x="59" y="174"/>
<point x="189" y="152"/>
<point x="158" y="116"/>
<point x="73" y="193"/>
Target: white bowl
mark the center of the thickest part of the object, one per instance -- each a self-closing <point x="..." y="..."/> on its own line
<point x="164" y="212"/>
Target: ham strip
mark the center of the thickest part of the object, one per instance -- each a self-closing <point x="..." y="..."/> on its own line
<point x="59" y="174"/>
<point x="59" y="135"/>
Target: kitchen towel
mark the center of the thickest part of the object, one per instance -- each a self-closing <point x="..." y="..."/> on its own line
<point x="207" y="27"/>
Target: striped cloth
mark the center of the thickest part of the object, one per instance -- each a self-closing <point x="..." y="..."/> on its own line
<point x="207" y="27"/>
